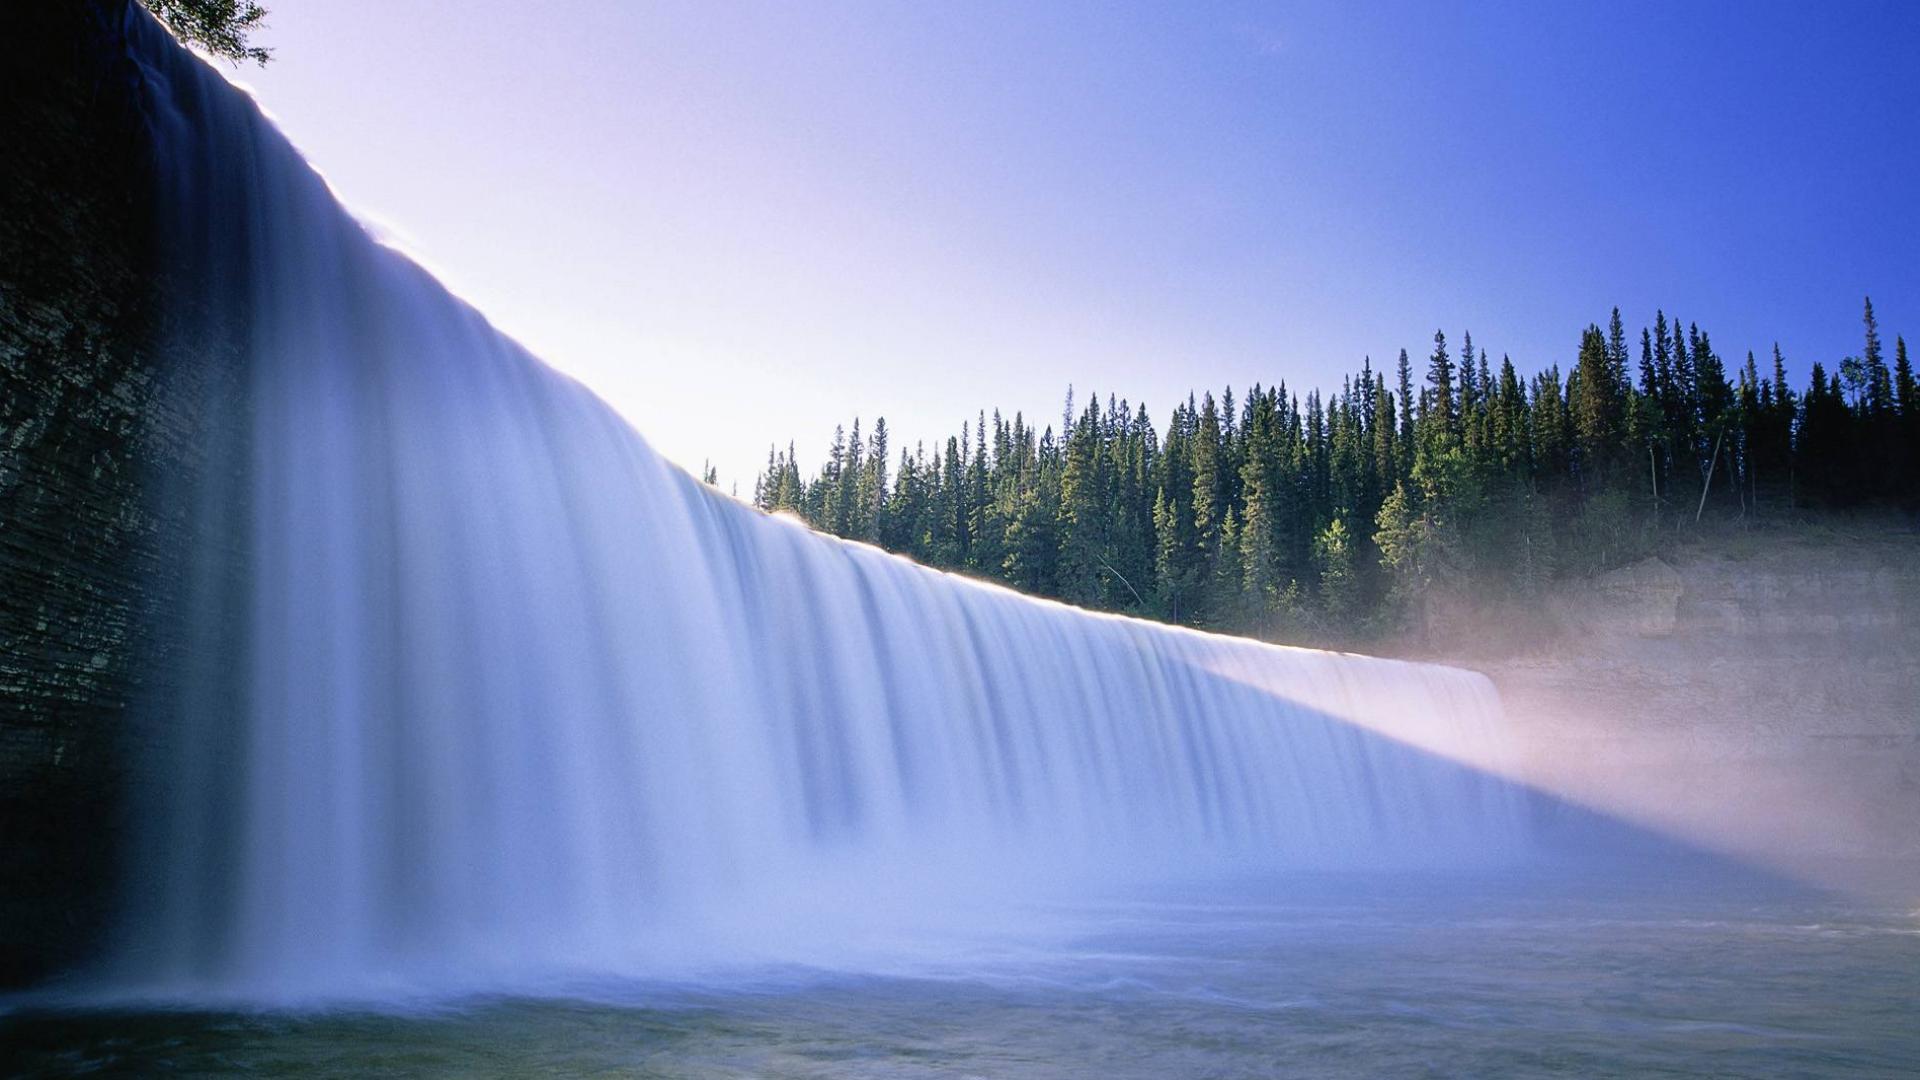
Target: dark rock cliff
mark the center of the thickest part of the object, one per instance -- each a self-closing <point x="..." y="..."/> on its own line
<point x="91" y="418"/>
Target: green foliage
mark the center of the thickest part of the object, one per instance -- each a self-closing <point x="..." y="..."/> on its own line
<point x="1333" y="517"/>
<point x="223" y="28"/>
<point x="1337" y="563"/>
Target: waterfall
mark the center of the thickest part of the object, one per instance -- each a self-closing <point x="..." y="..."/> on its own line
<point x="482" y="688"/>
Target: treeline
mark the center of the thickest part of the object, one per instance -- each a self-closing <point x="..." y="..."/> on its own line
<point x="1330" y="517"/>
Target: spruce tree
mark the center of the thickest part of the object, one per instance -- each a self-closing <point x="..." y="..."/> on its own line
<point x="1084" y="521"/>
<point x="1477" y="421"/>
<point x="1906" y="394"/>
<point x="1405" y="452"/>
<point x="1598" y="410"/>
<point x="1336" y="564"/>
<point x="984" y="554"/>
<point x="1822" y="452"/>
<point x="1617" y="352"/>
<point x="1469" y="382"/>
<point x="1209" y="488"/>
<point x="1510" y="442"/>
<point x="1551" y="430"/>
<point x="1442" y="424"/>
<point x="874" y="489"/>
<point x="1263" y="574"/>
<point x="1879" y="426"/>
<point x="1879" y="387"/>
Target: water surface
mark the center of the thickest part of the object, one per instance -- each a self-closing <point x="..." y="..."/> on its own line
<point x="1390" y="977"/>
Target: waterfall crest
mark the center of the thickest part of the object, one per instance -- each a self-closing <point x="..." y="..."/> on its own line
<point x="498" y="690"/>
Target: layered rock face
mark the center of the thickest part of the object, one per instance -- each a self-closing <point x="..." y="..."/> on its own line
<point x="1758" y="692"/>
<point x="92" y="424"/>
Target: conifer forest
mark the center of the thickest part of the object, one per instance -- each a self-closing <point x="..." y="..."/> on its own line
<point x="1330" y="516"/>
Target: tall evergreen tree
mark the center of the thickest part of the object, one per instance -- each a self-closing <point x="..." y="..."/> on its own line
<point x="1469" y="382"/>
<point x="1405" y="454"/>
<point x="1906" y="394"/>
<point x="1599" y="408"/>
<point x="1443" y="424"/>
<point x="1209" y="492"/>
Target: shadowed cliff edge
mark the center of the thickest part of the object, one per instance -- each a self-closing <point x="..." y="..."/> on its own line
<point x="80" y="428"/>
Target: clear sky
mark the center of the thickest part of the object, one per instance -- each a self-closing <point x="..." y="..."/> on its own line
<point x="744" y="223"/>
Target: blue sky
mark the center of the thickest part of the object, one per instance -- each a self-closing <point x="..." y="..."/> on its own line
<point x="745" y="223"/>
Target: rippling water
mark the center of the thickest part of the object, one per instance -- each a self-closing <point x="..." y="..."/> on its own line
<point x="1355" y="978"/>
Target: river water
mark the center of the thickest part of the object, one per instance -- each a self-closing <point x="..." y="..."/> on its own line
<point x="1350" y="978"/>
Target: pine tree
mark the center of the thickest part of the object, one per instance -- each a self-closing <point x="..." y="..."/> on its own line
<point x="1878" y="392"/>
<point x="1443" y="423"/>
<point x="1752" y="430"/>
<point x="1718" y="420"/>
<point x="1649" y="380"/>
<point x="984" y="554"/>
<point x="1225" y="584"/>
<point x="1477" y="421"/>
<point x="1469" y="382"/>
<point x="1174" y="542"/>
<point x="1779" y="461"/>
<point x="1879" y="425"/>
<point x="1209" y="489"/>
<point x="1263" y="569"/>
<point x="1552" y="430"/>
<point x="1617" y="352"/>
<point x="1405" y="452"/>
<point x="847" y="497"/>
<point x="1822" y="451"/>
<point x="873" y="487"/>
<point x="1033" y="545"/>
<point x="1906" y="394"/>
<point x="1599" y="410"/>
<point x="951" y="542"/>
<point x="1510" y="441"/>
<point x="1334" y="558"/>
<point x="1682" y="412"/>
<point x="1386" y="447"/>
<point x="1083" y="512"/>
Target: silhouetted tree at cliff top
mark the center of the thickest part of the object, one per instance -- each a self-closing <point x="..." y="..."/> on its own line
<point x="221" y="27"/>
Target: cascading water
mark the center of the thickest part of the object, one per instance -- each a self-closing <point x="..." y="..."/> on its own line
<point x="483" y="689"/>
